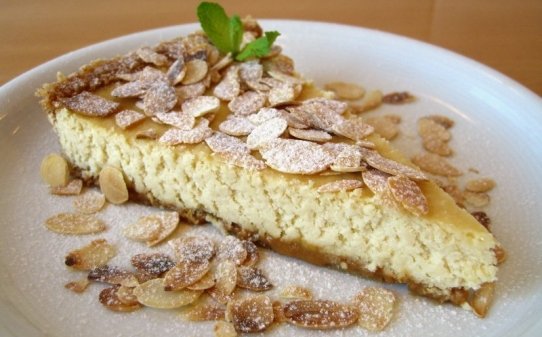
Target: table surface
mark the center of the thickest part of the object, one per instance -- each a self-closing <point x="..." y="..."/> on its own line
<point x="503" y="34"/>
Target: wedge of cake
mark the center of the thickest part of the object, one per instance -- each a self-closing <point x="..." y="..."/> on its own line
<point x="261" y="153"/>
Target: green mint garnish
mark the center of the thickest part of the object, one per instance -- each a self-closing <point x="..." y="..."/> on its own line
<point x="227" y="33"/>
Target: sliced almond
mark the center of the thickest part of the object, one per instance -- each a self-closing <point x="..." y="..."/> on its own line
<point x="375" y="307"/>
<point x="374" y="159"/>
<point x="482" y="298"/>
<point x="152" y="294"/>
<point x="127" y="118"/>
<point x="480" y="185"/>
<point x="408" y="194"/>
<point x="193" y="248"/>
<point x="310" y="134"/>
<point x="54" y="170"/>
<point x="296" y="156"/>
<point x="500" y="254"/>
<point x="248" y="103"/>
<point x="93" y="255"/>
<point x="149" y="133"/>
<point x="131" y="89"/>
<point x="185" y="273"/>
<point x="442" y="120"/>
<point x="341" y="185"/>
<point x="160" y="97"/>
<point x="89" y="104"/>
<point x="148" y="55"/>
<point x="112" y="184"/>
<point x="224" y="329"/>
<point x="221" y="143"/>
<point x="153" y="264"/>
<point x="236" y="126"/>
<point x="225" y="277"/>
<point x="265" y="132"/>
<point x="348" y="160"/>
<point x="243" y="160"/>
<point x="89" y="203"/>
<point x="74" y="187"/>
<point x="376" y="181"/>
<point x="78" y="286"/>
<point x="147" y="228"/>
<point x="176" y="72"/>
<point x="434" y="136"/>
<point x="232" y="249"/>
<point x="181" y="120"/>
<point x="75" y="223"/>
<point x="204" y="312"/>
<point x="252" y="314"/>
<point x="320" y="314"/>
<point x="201" y="105"/>
<point x="398" y="98"/>
<point x="263" y="115"/>
<point x="353" y="129"/>
<point x="251" y="71"/>
<point x="108" y="297"/>
<point x="111" y="275"/>
<point x="482" y="218"/>
<point x="204" y="283"/>
<point x="435" y="164"/>
<point x="281" y="93"/>
<point x="253" y="279"/>
<point x="126" y="295"/>
<point x="196" y="135"/>
<point x="253" y="254"/>
<point x="170" y="221"/>
<point x="296" y="292"/>
<point x="345" y="90"/>
<point x="370" y="101"/>
<point x="196" y="70"/>
<point x="386" y="125"/>
<point x="230" y="86"/>
<point x="185" y="92"/>
<point x="477" y="200"/>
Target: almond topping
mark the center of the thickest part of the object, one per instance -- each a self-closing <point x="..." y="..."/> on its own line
<point x="477" y="200"/>
<point x="374" y="159"/>
<point x="111" y="275"/>
<point x="408" y="194"/>
<point x="193" y="248"/>
<point x="176" y="72"/>
<point x="75" y="223"/>
<point x="253" y="254"/>
<point x="196" y="70"/>
<point x="251" y="314"/>
<point x="78" y="286"/>
<point x="482" y="298"/>
<point x="236" y="126"/>
<point x="126" y="295"/>
<point x="225" y="277"/>
<point x="482" y="218"/>
<point x="386" y="126"/>
<point x="375" y="307"/>
<point x="204" y="312"/>
<point x="54" y="170"/>
<point x="153" y="264"/>
<point x="398" y="98"/>
<point x="253" y="279"/>
<point x="74" y="187"/>
<point x="435" y="164"/>
<point x="112" y="184"/>
<point x="320" y="314"/>
<point x="90" y="202"/>
<point x="148" y="55"/>
<point x="131" y="89"/>
<point x="224" y="329"/>
<point x="127" y="118"/>
<point x="146" y="228"/>
<point x="248" y="103"/>
<point x="266" y="132"/>
<point x="89" y="104"/>
<point x="185" y="273"/>
<point x="152" y="294"/>
<point x="233" y="249"/>
<point x="178" y="119"/>
<point x="160" y="97"/>
<point x="263" y="115"/>
<point x="341" y="185"/>
<point x="185" y="92"/>
<point x="296" y="292"/>
<point x="310" y="134"/>
<point x="93" y="255"/>
<point x="204" y="283"/>
<point x="108" y="297"/>
<point x="370" y="101"/>
<point x="243" y="160"/>
<point x="354" y="129"/>
<point x="199" y="106"/>
<point x="345" y="90"/>
<point x="169" y="222"/>
<point x="480" y="185"/>
<point x="376" y="181"/>
<point x="229" y="87"/>
<point x="222" y="143"/>
<point x="196" y="135"/>
<point x="296" y="156"/>
<point x="147" y="134"/>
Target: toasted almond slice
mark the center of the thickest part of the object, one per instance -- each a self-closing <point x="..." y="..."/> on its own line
<point x="178" y="119"/>
<point x="251" y="71"/>
<point x="437" y="146"/>
<point x="204" y="312"/>
<point x="218" y="296"/>
<point x="89" y="104"/>
<point x="253" y="254"/>
<point x="176" y="72"/>
<point x="236" y="126"/>
<point x="266" y="131"/>
<point x="152" y="294"/>
<point x="374" y="159"/>
<point x="500" y="254"/>
<point x="354" y="129"/>
<point x="278" y="62"/>
<point x="370" y="101"/>
<point x="296" y="292"/>
<point x="170" y="221"/>
<point x="345" y="90"/>
<point x="253" y="279"/>
<point x="148" y="55"/>
<point x="296" y="156"/>
<point x="482" y="299"/>
<point x="281" y="93"/>
<point x="263" y="115"/>
<point x="252" y="314"/>
<point x="340" y="185"/>
<point x="185" y="92"/>
<point x="248" y="103"/>
<point x="131" y="89"/>
<point x="196" y="70"/>
<point x="224" y="329"/>
<point x="204" y="283"/>
<point x="320" y="314"/>
<point x="127" y="118"/>
<point x="310" y="134"/>
<point x="222" y="143"/>
<point x="482" y="218"/>
<point x="185" y="273"/>
<point x="54" y="170"/>
<point x="375" y="307"/>
<point x="193" y="248"/>
<point x="223" y="62"/>
<point x="89" y="203"/>
<point x="477" y="200"/>
<point x="78" y="286"/>
<point x="376" y="181"/>
<point x="480" y="185"/>
<point x="126" y="295"/>
<point x="93" y="255"/>
<point x="74" y="223"/>
<point x="225" y="277"/>
<point x="199" y="106"/>
<point x="149" y="133"/>
<point x="112" y="184"/>
<point x="233" y="249"/>
<point x="386" y="125"/>
<point x="442" y="120"/>
<point x="111" y="275"/>
<point x="152" y="264"/>
<point x="230" y="86"/>
<point x="147" y="228"/>
<point x="196" y="135"/>
<point x="297" y="118"/>
<point x="348" y="160"/>
<point x="160" y="97"/>
<point x="74" y="187"/>
<point x="108" y="297"/>
<point x="409" y="194"/>
<point x="398" y="98"/>
<point x="435" y="164"/>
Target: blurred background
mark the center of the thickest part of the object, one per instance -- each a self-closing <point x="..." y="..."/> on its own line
<point x="503" y="34"/>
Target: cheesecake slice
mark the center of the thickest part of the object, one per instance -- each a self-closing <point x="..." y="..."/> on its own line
<point x="261" y="153"/>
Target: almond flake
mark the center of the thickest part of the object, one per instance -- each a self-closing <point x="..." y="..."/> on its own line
<point x="348" y="160"/>
<point x="482" y="218"/>
<point x="376" y="181"/>
<point x="185" y="92"/>
<point x="482" y="298"/>
<point x="222" y="143"/>
<point x="370" y="101"/>
<point x="297" y="118"/>
<point x="296" y="292"/>
<point x="89" y="104"/>
<point x="170" y="221"/>
<point x="93" y="255"/>
<point x="111" y="275"/>
<point x="279" y="62"/>
<point x="252" y="314"/>
<point x="147" y="228"/>
<point x="244" y="160"/>
<point x="196" y="70"/>
<point x="232" y="249"/>
<point x="398" y="98"/>
<point x="185" y="273"/>
<point x="253" y="254"/>
<point x="296" y="156"/>
<point x="152" y="294"/>
<point x="161" y="97"/>
<point x="266" y="132"/>
<point x="229" y="87"/>
<point x="236" y="126"/>
<point x="375" y="307"/>
<point x="204" y="312"/>
<point x="148" y="55"/>
<point x="199" y="106"/>
<point x="446" y="122"/>
<point x="345" y="90"/>
<point x="178" y="119"/>
<point x="176" y="71"/>
<point x="108" y="297"/>
<point x="74" y="187"/>
<point x="148" y="75"/>
<point x="253" y="279"/>
<point x="247" y="103"/>
<point x="251" y="71"/>
<point x="196" y="135"/>
<point x="90" y="202"/>
<point x="224" y="329"/>
<point x="78" y="286"/>
<point x="374" y="159"/>
<point x="204" y="283"/>
<point x="126" y="295"/>
<point x="354" y="129"/>
<point x="320" y="314"/>
<point x="112" y="185"/>
<point x="263" y="115"/>
<point x="75" y="223"/>
<point x="340" y="185"/>
<point x="285" y="78"/>
<point x="500" y="254"/>
<point x="225" y="276"/>
<point x="386" y="125"/>
<point x="477" y="200"/>
<point x="310" y="134"/>
<point x="434" y="136"/>
<point x="222" y="63"/>
<point x="131" y="89"/>
<point x="408" y="194"/>
<point x="153" y="264"/>
<point x="149" y="133"/>
<point x="435" y="164"/>
<point x="127" y="118"/>
<point x="193" y="248"/>
<point x="54" y="170"/>
<point x="480" y="185"/>
<point x="278" y="313"/>
<point x="281" y="93"/>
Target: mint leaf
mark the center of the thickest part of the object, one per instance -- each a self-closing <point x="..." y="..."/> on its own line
<point x="224" y="32"/>
<point x="259" y="47"/>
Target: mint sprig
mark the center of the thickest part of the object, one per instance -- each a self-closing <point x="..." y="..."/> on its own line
<point x="227" y="33"/>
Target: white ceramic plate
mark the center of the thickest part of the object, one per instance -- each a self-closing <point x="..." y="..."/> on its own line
<point x="498" y="132"/>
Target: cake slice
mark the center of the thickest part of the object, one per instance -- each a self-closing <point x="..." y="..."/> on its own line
<point x="261" y="153"/>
